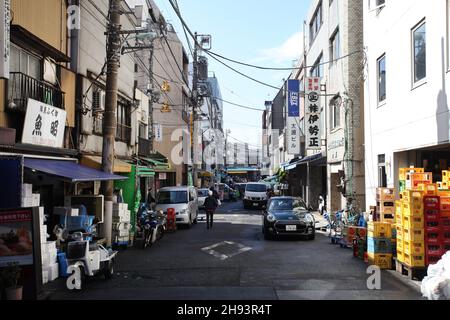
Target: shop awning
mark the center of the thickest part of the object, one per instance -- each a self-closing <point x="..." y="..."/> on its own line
<point x="145" y="172"/>
<point x="206" y="174"/>
<point x="158" y="166"/>
<point x="96" y="163"/>
<point x="69" y="171"/>
<point x="316" y="159"/>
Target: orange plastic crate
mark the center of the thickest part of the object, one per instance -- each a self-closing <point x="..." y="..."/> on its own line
<point x="403" y="171"/>
<point x="445" y="203"/>
<point x="385" y="194"/>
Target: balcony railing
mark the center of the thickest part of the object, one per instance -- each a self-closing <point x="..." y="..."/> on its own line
<point x="145" y="147"/>
<point x="22" y="87"/>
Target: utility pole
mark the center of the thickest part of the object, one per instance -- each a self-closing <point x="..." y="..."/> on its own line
<point x="151" y="97"/>
<point x="110" y="121"/>
<point x="194" y="109"/>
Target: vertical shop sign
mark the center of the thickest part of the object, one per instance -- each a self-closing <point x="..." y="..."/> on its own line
<point x="157" y="129"/>
<point x="312" y="115"/>
<point x="293" y="117"/>
<point x="5" y="16"/>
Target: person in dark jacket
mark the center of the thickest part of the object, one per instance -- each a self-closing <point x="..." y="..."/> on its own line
<point x="211" y="204"/>
<point x="215" y="193"/>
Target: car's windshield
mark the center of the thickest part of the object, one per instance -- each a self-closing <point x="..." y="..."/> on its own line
<point x="172" y="197"/>
<point x="287" y="205"/>
<point x="256" y="188"/>
<point x="203" y="192"/>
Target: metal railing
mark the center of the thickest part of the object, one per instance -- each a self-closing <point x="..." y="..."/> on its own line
<point x="22" y="87"/>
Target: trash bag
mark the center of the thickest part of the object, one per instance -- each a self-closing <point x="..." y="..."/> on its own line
<point x="436" y="285"/>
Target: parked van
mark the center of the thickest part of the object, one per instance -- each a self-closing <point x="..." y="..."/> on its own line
<point x="255" y="195"/>
<point x="183" y="199"/>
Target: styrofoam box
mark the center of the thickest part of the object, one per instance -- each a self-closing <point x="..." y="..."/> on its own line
<point x="44" y="276"/>
<point x="53" y="271"/>
<point x="44" y="237"/>
<point x="41" y="216"/>
<point x="36" y="199"/>
<point x="49" y="246"/>
<point x="125" y="206"/>
<point x="27" y="190"/>
<point x="74" y="212"/>
<point x="27" y="202"/>
<point x="45" y="260"/>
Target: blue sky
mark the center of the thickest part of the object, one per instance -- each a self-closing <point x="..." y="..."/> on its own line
<point x="262" y="32"/>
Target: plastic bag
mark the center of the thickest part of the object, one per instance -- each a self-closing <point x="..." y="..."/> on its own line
<point x="431" y="288"/>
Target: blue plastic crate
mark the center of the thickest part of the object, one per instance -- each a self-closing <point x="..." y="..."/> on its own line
<point x="77" y="223"/>
<point x="62" y="261"/>
<point x="379" y="245"/>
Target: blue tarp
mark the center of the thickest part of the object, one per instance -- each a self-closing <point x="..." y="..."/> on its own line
<point x="69" y="170"/>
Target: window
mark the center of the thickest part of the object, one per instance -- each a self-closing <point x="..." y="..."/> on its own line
<point x="123" y="122"/>
<point x="26" y="63"/>
<point x="381" y="67"/>
<point x="419" y="52"/>
<point x="382" y="177"/>
<point x="316" y="23"/>
<point x="335" y="112"/>
<point x="317" y="70"/>
<point x="335" y="46"/>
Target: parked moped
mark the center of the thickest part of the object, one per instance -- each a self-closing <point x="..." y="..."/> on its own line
<point x="151" y="226"/>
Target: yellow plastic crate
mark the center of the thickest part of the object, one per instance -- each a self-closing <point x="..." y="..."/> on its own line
<point x="413" y="235"/>
<point x="400" y="255"/>
<point x="398" y="207"/>
<point x="380" y="230"/>
<point x="384" y="261"/>
<point x="403" y="171"/>
<point x="430" y="189"/>
<point x="400" y="231"/>
<point x="446" y="176"/>
<point x="413" y="209"/>
<point x="400" y="244"/>
<point x="413" y="222"/>
<point x="414" y="248"/>
<point x="412" y="196"/>
<point x="414" y="260"/>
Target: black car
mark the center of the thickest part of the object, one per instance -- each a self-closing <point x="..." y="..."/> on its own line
<point x="288" y="216"/>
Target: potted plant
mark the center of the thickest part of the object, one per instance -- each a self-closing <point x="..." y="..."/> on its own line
<point x="9" y="279"/>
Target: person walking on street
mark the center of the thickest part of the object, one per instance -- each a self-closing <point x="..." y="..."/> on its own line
<point x="211" y="204"/>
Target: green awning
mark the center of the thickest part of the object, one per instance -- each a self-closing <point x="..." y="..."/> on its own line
<point x="145" y="172"/>
<point x="158" y="165"/>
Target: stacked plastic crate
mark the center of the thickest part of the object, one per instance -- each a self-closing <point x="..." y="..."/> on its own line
<point x="410" y="217"/>
<point x="121" y="224"/>
<point x="386" y="210"/>
<point x="379" y="246"/>
<point x="437" y="221"/>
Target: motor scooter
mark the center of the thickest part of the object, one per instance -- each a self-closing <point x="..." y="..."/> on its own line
<point x="151" y="226"/>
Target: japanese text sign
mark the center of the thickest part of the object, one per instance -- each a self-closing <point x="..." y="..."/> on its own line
<point x="293" y="118"/>
<point x="44" y="125"/>
<point x="312" y="114"/>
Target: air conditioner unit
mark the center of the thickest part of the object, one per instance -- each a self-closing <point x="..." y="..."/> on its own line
<point x="99" y="101"/>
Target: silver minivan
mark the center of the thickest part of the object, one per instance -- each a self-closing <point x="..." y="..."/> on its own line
<point x="183" y="200"/>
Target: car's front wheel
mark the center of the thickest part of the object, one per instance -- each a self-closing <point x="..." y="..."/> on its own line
<point x="312" y="236"/>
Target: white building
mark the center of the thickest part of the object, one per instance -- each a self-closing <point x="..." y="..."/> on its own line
<point x="406" y="102"/>
<point x="333" y="52"/>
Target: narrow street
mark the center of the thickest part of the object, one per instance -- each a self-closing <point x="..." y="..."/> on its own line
<point x="243" y="267"/>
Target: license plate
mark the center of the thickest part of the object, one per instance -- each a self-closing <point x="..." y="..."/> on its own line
<point x="291" y="228"/>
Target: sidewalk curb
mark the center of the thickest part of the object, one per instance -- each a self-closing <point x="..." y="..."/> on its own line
<point x="416" y="285"/>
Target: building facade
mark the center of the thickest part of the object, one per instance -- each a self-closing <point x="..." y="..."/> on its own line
<point x="334" y="53"/>
<point x="168" y="84"/>
<point x="406" y="101"/>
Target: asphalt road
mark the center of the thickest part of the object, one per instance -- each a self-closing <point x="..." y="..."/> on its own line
<point x="234" y="262"/>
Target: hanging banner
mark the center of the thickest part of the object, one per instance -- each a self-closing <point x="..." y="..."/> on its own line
<point x="5" y="16"/>
<point x="44" y="125"/>
<point x="157" y="129"/>
<point x="293" y="118"/>
<point x="312" y="115"/>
